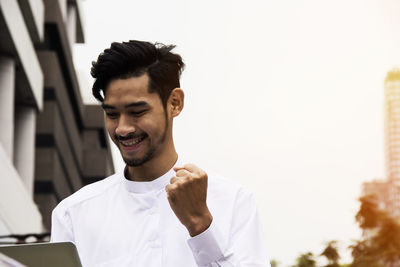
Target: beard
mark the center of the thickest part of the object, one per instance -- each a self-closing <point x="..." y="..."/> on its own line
<point x="140" y="161"/>
<point x="135" y="162"/>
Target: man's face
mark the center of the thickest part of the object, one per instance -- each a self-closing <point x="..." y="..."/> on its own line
<point x="135" y="119"/>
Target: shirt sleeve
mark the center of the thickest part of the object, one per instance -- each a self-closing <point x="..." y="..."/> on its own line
<point x="244" y="247"/>
<point x="61" y="229"/>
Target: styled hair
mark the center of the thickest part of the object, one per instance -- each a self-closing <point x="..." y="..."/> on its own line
<point x="133" y="59"/>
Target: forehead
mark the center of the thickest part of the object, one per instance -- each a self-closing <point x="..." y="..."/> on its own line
<point x="133" y="89"/>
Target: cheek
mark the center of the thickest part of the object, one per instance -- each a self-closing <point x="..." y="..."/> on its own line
<point x="146" y="126"/>
<point x="152" y="127"/>
<point x="110" y="126"/>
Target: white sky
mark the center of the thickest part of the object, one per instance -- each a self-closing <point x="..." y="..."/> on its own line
<point x="284" y="96"/>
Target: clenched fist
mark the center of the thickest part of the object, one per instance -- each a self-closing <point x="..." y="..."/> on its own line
<point x="187" y="195"/>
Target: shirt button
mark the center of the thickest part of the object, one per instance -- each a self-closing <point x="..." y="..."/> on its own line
<point x="153" y="235"/>
<point x="155" y="244"/>
<point x="152" y="211"/>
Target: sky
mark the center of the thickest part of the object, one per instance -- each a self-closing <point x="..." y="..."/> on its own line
<point x="285" y="97"/>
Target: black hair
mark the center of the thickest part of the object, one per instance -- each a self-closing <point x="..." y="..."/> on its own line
<point x="133" y="59"/>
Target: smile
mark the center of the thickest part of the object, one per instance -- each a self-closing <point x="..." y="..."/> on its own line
<point x="131" y="142"/>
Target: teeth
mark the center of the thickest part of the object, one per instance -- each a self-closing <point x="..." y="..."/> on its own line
<point x="131" y="142"/>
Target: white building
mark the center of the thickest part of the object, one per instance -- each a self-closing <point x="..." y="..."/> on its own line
<point x="392" y="124"/>
<point x="388" y="190"/>
<point x="45" y="129"/>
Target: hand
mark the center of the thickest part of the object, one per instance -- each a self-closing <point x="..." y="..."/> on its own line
<point x="187" y="195"/>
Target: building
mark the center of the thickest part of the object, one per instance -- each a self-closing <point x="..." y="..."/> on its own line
<point x="388" y="190"/>
<point x="51" y="144"/>
<point x="392" y="125"/>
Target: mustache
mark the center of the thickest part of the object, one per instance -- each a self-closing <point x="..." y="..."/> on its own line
<point x="129" y="136"/>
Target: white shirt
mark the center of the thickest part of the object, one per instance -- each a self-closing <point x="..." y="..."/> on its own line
<point x="117" y="222"/>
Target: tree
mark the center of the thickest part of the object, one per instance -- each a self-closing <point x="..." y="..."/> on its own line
<point x="274" y="263"/>
<point x="380" y="246"/>
<point x="305" y="260"/>
<point x="331" y="254"/>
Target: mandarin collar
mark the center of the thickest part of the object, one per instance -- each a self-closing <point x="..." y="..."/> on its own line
<point x="155" y="185"/>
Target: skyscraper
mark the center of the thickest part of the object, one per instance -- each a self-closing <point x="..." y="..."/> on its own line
<point x="388" y="191"/>
<point x="392" y="125"/>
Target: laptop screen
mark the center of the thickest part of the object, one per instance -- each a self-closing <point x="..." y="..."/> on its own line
<point x="63" y="254"/>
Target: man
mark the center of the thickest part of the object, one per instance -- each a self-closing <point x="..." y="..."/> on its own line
<point x="160" y="211"/>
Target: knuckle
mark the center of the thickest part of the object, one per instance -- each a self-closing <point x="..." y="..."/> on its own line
<point x="168" y="188"/>
<point x="182" y="183"/>
<point x="171" y="190"/>
<point x="190" y="180"/>
<point x="188" y="165"/>
<point x="180" y="172"/>
<point x="203" y="174"/>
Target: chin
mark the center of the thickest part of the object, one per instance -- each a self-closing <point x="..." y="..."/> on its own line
<point x="136" y="162"/>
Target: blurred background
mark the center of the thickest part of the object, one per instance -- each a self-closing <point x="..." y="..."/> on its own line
<point x="297" y="100"/>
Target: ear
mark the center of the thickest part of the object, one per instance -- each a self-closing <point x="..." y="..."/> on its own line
<point x="176" y="101"/>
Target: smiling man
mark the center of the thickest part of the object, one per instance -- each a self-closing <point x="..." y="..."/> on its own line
<point x="161" y="210"/>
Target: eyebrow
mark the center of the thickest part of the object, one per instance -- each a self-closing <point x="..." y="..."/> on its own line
<point x="133" y="104"/>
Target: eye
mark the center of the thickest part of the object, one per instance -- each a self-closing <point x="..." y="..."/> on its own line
<point x="138" y="113"/>
<point x="112" y="115"/>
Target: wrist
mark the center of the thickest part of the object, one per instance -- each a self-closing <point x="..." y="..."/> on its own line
<point x="200" y="224"/>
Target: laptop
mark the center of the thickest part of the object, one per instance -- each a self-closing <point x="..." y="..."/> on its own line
<point x="63" y="254"/>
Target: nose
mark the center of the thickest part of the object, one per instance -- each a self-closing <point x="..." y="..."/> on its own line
<point x="125" y="126"/>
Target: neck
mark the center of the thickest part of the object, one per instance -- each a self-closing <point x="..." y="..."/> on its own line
<point x="154" y="168"/>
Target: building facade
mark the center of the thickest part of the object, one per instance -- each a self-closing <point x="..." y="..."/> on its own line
<point x="51" y="143"/>
<point x="388" y="191"/>
<point x="392" y="125"/>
